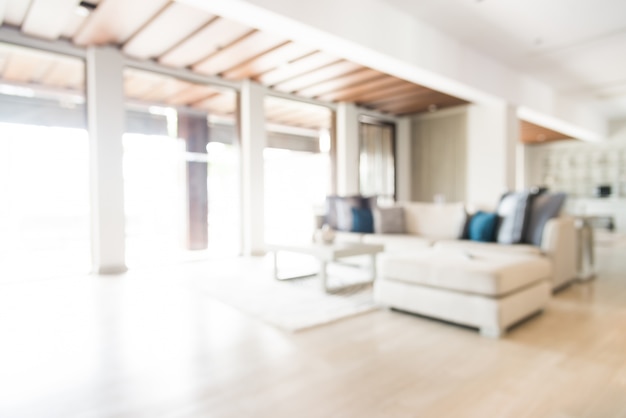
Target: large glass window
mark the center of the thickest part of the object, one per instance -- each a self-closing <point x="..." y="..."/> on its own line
<point x="377" y="173"/>
<point x="180" y="170"/>
<point x="297" y="168"/>
<point x="44" y="166"/>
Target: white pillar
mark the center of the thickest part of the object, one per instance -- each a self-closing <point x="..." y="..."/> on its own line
<point x="105" y="117"/>
<point x="347" y="149"/>
<point x="493" y="134"/>
<point x="511" y="128"/>
<point x="253" y="140"/>
<point x="403" y="160"/>
<point x="521" y="180"/>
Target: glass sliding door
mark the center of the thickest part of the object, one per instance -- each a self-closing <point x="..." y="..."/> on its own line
<point x="180" y="170"/>
<point x="297" y="168"/>
<point x="44" y="166"/>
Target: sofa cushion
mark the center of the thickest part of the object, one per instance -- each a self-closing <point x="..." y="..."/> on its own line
<point x="484" y="274"/>
<point x="435" y="220"/>
<point x="491" y="247"/>
<point x="544" y="207"/>
<point x="362" y="220"/>
<point x="398" y="242"/>
<point x="513" y="210"/>
<point x="482" y="226"/>
<point x="389" y="220"/>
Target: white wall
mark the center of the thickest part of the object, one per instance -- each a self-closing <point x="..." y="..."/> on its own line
<point x="439" y="155"/>
<point x="617" y="130"/>
<point x="492" y="134"/>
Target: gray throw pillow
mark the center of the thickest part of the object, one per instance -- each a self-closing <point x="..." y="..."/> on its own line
<point x="543" y="207"/>
<point x="389" y="220"/>
<point x="513" y="212"/>
<point x="330" y="218"/>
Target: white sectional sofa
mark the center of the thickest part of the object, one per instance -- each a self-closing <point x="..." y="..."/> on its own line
<point x="430" y="225"/>
<point x="430" y="270"/>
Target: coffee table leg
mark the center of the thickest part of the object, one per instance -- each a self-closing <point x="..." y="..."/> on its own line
<point x="373" y="266"/>
<point x="323" y="275"/>
<point x="276" y="264"/>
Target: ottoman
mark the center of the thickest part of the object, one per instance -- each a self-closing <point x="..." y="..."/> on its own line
<point x="484" y="289"/>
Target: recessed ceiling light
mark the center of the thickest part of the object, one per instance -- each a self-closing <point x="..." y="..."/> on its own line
<point x="84" y="8"/>
<point x="82" y="11"/>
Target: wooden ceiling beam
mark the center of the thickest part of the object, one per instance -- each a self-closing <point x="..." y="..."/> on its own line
<point x="386" y="93"/>
<point x="164" y="31"/>
<point x="170" y="88"/>
<point x="351" y="93"/>
<point x="406" y="95"/>
<point x="252" y="45"/>
<point x="284" y="112"/>
<point x="439" y="99"/>
<point x="65" y="73"/>
<point x="26" y="68"/>
<point x="282" y="55"/>
<point x="222" y="103"/>
<point x="192" y="94"/>
<point x="531" y="133"/>
<point x="46" y="19"/>
<point x="320" y="75"/>
<point x="301" y="119"/>
<point x="287" y="104"/>
<point x="116" y="21"/>
<point x="15" y="12"/>
<point x="217" y="34"/>
<point x="297" y="68"/>
<point x="348" y="80"/>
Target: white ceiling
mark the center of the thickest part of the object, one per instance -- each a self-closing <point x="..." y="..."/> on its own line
<point x="577" y="46"/>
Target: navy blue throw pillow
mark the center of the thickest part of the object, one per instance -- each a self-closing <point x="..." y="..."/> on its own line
<point x="362" y="220"/>
<point x="482" y="226"/>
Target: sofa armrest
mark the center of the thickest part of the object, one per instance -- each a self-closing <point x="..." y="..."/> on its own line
<point x="558" y="243"/>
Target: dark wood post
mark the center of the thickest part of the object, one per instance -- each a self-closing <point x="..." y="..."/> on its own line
<point x="194" y="129"/>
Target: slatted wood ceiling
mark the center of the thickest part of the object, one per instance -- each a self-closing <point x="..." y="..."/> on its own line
<point x="180" y="36"/>
<point x="535" y="134"/>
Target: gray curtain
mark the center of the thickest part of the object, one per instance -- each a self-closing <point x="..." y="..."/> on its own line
<point x="377" y="162"/>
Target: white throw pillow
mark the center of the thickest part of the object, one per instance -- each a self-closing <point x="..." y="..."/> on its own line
<point x="435" y="220"/>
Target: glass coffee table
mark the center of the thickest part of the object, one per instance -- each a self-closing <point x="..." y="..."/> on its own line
<point x="326" y="254"/>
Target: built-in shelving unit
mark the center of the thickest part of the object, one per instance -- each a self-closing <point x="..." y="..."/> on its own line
<point x="578" y="171"/>
<point x="578" y="168"/>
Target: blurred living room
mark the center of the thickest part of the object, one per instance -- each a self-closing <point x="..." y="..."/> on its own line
<point x="271" y="208"/>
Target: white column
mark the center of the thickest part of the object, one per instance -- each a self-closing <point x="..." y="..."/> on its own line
<point x="403" y="160"/>
<point x="347" y="149"/>
<point x="253" y="140"/>
<point x="512" y="141"/>
<point x="105" y="117"/>
<point x="521" y="179"/>
<point x="493" y="134"/>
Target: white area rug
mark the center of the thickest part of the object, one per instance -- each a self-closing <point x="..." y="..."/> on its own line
<point x="291" y="305"/>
